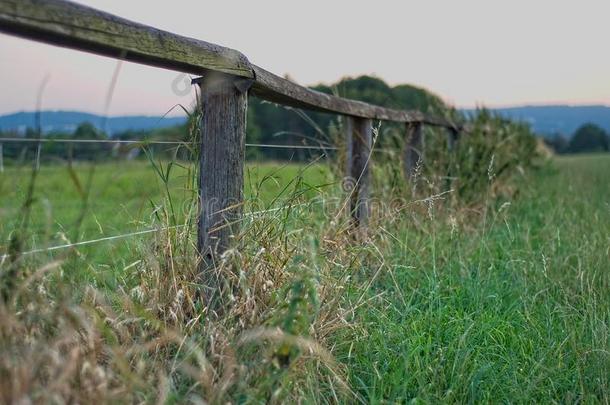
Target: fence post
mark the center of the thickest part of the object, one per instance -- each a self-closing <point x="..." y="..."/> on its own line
<point x="452" y="139"/>
<point x="359" y="133"/>
<point x="413" y="153"/>
<point x="453" y="135"/>
<point x="224" y="101"/>
<point x="1" y="158"/>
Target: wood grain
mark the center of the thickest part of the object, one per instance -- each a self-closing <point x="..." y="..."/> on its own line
<point x="413" y="153"/>
<point x="79" y="27"/>
<point x="453" y="136"/>
<point x="75" y="26"/>
<point x="359" y="133"/>
<point x="221" y="175"/>
<point x="282" y="91"/>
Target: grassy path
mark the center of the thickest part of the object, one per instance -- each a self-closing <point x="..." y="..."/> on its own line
<point x="517" y="310"/>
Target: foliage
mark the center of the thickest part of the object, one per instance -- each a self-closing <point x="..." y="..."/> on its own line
<point x="273" y="124"/>
<point x="488" y="156"/>
<point x="589" y="138"/>
<point x="494" y="150"/>
<point x="557" y="142"/>
<point x="468" y="287"/>
<point x="267" y="124"/>
<point x="500" y="304"/>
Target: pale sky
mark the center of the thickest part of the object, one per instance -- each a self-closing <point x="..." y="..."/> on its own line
<point x="469" y="52"/>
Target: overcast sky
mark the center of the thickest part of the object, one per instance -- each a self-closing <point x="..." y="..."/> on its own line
<point x="470" y="52"/>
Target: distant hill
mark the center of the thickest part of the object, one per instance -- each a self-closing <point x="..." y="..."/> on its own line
<point x="545" y="120"/>
<point x="562" y="119"/>
<point x="67" y="121"/>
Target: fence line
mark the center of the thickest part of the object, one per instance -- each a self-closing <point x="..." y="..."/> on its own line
<point x="227" y="81"/>
<point x="84" y="28"/>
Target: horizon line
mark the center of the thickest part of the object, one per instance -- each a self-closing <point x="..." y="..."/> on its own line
<point x="169" y="115"/>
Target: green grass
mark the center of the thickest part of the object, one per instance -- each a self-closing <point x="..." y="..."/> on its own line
<point x="95" y="201"/>
<point x="505" y="301"/>
<point x="117" y="198"/>
<point x="515" y="310"/>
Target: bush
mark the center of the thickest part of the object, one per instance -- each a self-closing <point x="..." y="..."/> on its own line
<point x="589" y="138"/>
<point x="491" y="150"/>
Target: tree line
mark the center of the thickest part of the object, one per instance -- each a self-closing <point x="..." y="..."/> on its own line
<point x="268" y="124"/>
<point x="271" y="124"/>
<point x="588" y="138"/>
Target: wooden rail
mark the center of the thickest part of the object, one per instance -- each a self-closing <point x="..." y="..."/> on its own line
<point x="75" y="26"/>
<point x="228" y="78"/>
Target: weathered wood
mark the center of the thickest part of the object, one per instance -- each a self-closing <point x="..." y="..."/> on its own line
<point x="413" y="153"/>
<point x="452" y="139"/>
<point x="224" y="102"/>
<point x="282" y="91"/>
<point x="277" y="89"/>
<point x="80" y="27"/>
<point x="359" y="136"/>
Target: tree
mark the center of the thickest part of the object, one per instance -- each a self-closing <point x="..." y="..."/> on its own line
<point x="557" y="142"/>
<point x="269" y="123"/>
<point x="589" y="138"/>
<point x="88" y="151"/>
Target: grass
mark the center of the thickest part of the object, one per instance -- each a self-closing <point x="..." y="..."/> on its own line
<point x="515" y="309"/>
<point x="501" y="301"/>
<point x="123" y="197"/>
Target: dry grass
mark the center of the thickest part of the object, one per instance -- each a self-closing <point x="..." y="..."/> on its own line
<point x="294" y="282"/>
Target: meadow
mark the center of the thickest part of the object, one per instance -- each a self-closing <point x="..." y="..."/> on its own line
<point x="512" y="309"/>
<point x="91" y="201"/>
<point x="503" y="300"/>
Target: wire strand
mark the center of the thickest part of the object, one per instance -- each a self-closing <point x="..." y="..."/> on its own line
<point x="113" y="141"/>
<point x="263" y="145"/>
<point x="90" y="242"/>
<point x="138" y="233"/>
<point x="154" y="142"/>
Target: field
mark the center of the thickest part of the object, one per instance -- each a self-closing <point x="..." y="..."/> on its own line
<point x="95" y="201"/>
<point x="505" y="301"/>
<point x="514" y="309"/>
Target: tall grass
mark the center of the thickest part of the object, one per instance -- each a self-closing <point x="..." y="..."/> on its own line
<point x="478" y="291"/>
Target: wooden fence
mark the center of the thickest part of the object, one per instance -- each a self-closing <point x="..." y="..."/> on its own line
<point x="227" y="80"/>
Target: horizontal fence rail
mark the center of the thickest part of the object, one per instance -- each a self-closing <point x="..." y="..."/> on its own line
<point x="75" y="26"/>
<point x="227" y="80"/>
